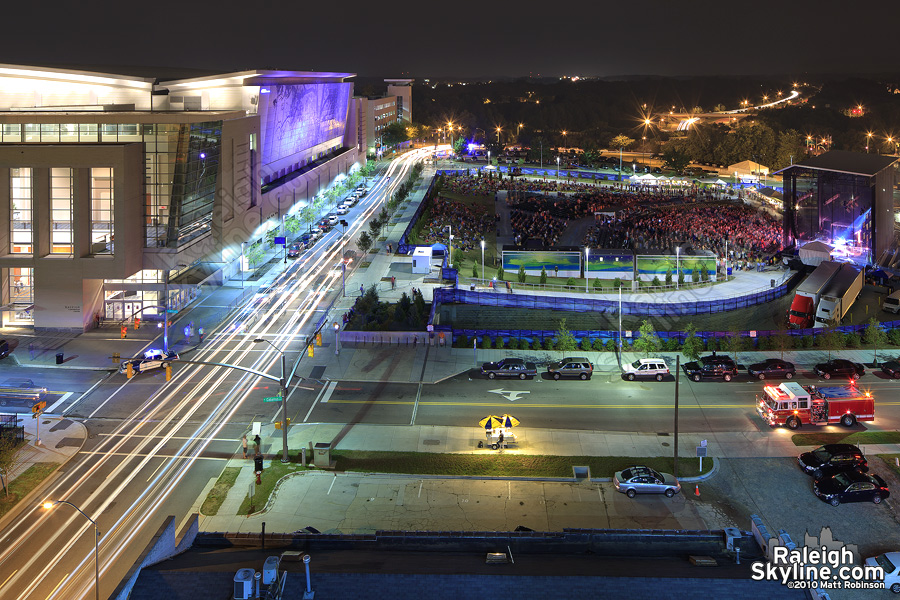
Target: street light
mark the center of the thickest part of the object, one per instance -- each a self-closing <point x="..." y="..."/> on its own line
<point x="450" y="245"/>
<point x="868" y="140"/>
<point x="677" y="272"/>
<point x="565" y="139"/>
<point x="483" y="276"/>
<point x="242" y="264"/>
<point x="498" y="135"/>
<point x="450" y="127"/>
<point x="586" y="267"/>
<point x="519" y="129"/>
<point x="343" y="260"/>
<point x="50" y="504"/>
<point x="337" y="328"/>
<point x="282" y="384"/>
<point x="557" y="169"/>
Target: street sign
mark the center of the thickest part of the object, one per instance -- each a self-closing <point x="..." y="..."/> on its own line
<point x="272" y="399"/>
<point x="280" y="241"/>
<point x="171" y="311"/>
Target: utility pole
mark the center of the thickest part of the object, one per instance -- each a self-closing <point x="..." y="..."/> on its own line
<point x="677" y="370"/>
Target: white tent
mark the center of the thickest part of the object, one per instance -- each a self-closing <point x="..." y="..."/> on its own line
<point x="747" y="169"/>
<point x="814" y="253"/>
<point x="421" y="259"/>
<point x="720" y="182"/>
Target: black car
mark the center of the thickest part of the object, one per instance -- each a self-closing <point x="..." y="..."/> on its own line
<point x="832" y="458"/>
<point x="294" y="250"/>
<point x="716" y="366"/>
<point x="891" y="368"/>
<point x="772" y="367"/>
<point x="4" y="349"/>
<point x="851" y="486"/>
<point x="839" y="367"/>
<point x="509" y="367"/>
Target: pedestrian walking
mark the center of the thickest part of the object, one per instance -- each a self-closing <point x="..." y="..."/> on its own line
<point x="362" y="290"/>
<point x="500" y="440"/>
<point x="258" y="443"/>
<point x="244" y="444"/>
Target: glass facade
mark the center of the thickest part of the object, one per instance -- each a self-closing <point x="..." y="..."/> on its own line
<point x="181" y="168"/>
<point x="61" y="190"/>
<point x="20" y="309"/>
<point x="21" y="199"/>
<point x="102" y="211"/>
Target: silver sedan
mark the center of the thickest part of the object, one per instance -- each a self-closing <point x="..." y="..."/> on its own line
<point x="644" y="480"/>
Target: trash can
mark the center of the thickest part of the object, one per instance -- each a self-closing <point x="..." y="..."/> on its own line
<point x="323" y="455"/>
<point x="59" y="358"/>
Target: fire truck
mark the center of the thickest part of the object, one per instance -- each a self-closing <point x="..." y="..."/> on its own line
<point x="792" y="404"/>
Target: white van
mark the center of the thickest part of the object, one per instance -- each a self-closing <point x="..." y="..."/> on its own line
<point x="892" y="303"/>
<point x="646" y="367"/>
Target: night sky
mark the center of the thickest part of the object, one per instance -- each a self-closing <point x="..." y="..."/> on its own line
<point x="467" y="39"/>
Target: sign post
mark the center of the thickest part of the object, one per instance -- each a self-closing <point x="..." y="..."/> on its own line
<point x="701" y="452"/>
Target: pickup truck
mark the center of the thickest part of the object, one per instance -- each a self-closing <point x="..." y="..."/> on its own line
<point x="509" y="367"/>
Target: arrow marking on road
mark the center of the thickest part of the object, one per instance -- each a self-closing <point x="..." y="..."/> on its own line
<point x="512" y="396"/>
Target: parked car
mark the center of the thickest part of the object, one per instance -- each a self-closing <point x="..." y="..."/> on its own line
<point x="332" y="220"/>
<point x="152" y="359"/>
<point x="839" y="367"/>
<point x="890" y="563"/>
<point x="343" y="209"/>
<point x="646" y="367"/>
<point x="891" y="368"/>
<point x="851" y="486"/>
<point x="644" y="480"/>
<point x="294" y="250"/>
<point x="4" y="349"/>
<point x="832" y="458"/>
<point x="772" y="367"/>
<point x="576" y="366"/>
<point x="509" y="367"/>
<point x="715" y="365"/>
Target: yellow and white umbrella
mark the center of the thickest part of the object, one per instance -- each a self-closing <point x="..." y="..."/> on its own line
<point x="509" y="421"/>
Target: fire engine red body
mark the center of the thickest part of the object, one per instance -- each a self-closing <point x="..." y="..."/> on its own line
<point x="792" y="404"/>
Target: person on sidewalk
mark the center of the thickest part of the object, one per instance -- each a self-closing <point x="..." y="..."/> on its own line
<point x="500" y="440"/>
<point x="362" y="290"/>
<point x="258" y="443"/>
<point x="244" y="444"/>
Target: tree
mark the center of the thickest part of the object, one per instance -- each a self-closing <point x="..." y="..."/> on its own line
<point x="10" y="459"/>
<point x="374" y="227"/>
<point x="393" y="134"/>
<point x="831" y="341"/>
<point x="735" y="342"/>
<point x="475" y="270"/>
<point x="676" y="159"/>
<point x="543" y="275"/>
<point x="621" y="141"/>
<point x="648" y="341"/>
<point x="500" y="274"/>
<point x="364" y="242"/>
<point x="564" y="338"/>
<point x="875" y="336"/>
<point x="254" y="254"/>
<point x="521" y="275"/>
<point x="693" y="345"/>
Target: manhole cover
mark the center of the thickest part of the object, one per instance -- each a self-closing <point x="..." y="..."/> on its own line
<point x="663" y="434"/>
<point x="665" y="444"/>
<point x="431" y="442"/>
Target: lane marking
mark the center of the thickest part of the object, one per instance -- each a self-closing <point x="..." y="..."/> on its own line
<point x="333" y="479"/>
<point x="494" y="404"/>
<point x="58" y="402"/>
<point x="511" y="395"/>
<point x="84" y="395"/>
<point x="316" y="401"/>
<point x="412" y="419"/>
<point x="420" y="487"/>
<point x="8" y="578"/>
<point x="53" y="591"/>
<point x="329" y="392"/>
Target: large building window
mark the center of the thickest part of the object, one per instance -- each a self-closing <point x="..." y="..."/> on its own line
<point x="61" y="186"/>
<point x="21" y="202"/>
<point x="102" y="213"/>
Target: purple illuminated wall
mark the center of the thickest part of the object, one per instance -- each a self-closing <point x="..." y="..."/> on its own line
<point x="297" y="118"/>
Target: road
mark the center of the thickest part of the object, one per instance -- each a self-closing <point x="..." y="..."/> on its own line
<point x="153" y="444"/>
<point x="603" y="403"/>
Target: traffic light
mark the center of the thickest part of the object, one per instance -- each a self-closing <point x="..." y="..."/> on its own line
<point x="124" y="331"/>
<point x="309" y="350"/>
<point x="168" y="372"/>
<point x="38" y="407"/>
<point x="129" y="370"/>
<point x="278" y="423"/>
<point x="137" y="322"/>
<point x="318" y="339"/>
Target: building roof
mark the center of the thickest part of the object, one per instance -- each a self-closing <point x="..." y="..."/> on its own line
<point x="258" y="77"/>
<point x="844" y="161"/>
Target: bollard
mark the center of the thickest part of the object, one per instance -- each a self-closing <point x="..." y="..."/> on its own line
<point x="262" y="536"/>
<point x="302" y="457"/>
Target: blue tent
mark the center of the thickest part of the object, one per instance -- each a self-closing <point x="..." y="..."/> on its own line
<point x="439" y="249"/>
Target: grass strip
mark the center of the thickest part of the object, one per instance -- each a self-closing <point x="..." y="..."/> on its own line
<point x="856" y="438"/>
<point x="219" y="491"/>
<point x="503" y="465"/>
<point x="270" y="476"/>
<point x="891" y="461"/>
<point x="22" y="485"/>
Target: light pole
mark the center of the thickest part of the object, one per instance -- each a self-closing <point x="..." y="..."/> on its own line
<point x="284" y="235"/>
<point x="586" y="254"/>
<point x="450" y="245"/>
<point x="557" y="169"/>
<point x="450" y="128"/>
<point x="165" y="307"/>
<point x="498" y="136"/>
<point x="337" y="328"/>
<point x="620" y="324"/>
<point x="343" y="260"/>
<point x="242" y="265"/>
<point x="483" y="275"/>
<point x="868" y="140"/>
<point x="620" y="162"/>
<point x="282" y="384"/>
<point x="50" y="504"/>
<point x="677" y="274"/>
<point x="519" y="130"/>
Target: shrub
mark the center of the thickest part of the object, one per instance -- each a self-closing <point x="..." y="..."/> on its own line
<point x="597" y="285"/>
<point x="486" y="341"/>
<point x="852" y="340"/>
<point x="536" y="344"/>
<point x="610" y="345"/>
<point x="586" y="344"/>
<point x="475" y="270"/>
<point x="767" y="343"/>
<point x="500" y="274"/>
<point x="521" y="274"/>
<point x="656" y="282"/>
<point x="671" y="345"/>
<point x="498" y="342"/>
<point x="543" y="275"/>
<point x="462" y="341"/>
<point x="617" y="282"/>
<point x="894" y="337"/>
<point x="712" y="344"/>
<point x="806" y="341"/>
<point x="548" y="344"/>
<point x="598" y="345"/>
<point x="570" y="282"/>
<point x="669" y="277"/>
<point x="513" y="343"/>
<point x="695" y="275"/>
<point x="680" y="277"/>
<point x="704" y="274"/>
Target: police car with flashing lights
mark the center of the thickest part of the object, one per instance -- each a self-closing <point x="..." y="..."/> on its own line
<point x="152" y="359"/>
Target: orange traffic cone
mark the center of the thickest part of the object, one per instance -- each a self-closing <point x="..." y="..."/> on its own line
<point x="697" y="491"/>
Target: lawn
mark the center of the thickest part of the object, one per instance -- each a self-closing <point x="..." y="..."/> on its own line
<point x="270" y="476"/>
<point x="501" y="465"/>
<point x="856" y="438"/>
<point x="217" y="494"/>
<point x="891" y="461"/>
<point x="22" y="485"/>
